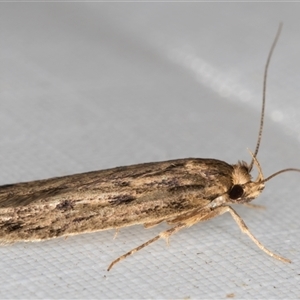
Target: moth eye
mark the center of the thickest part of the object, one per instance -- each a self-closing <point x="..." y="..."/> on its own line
<point x="236" y="192"/>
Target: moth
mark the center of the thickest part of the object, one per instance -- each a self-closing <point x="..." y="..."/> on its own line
<point x="179" y="192"/>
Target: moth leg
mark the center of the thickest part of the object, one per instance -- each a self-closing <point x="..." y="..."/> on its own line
<point x="251" y="205"/>
<point x="165" y="234"/>
<point x="244" y="229"/>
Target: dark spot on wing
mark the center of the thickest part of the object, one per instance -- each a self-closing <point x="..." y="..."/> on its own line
<point x="170" y="183"/>
<point x="121" y="199"/>
<point x="77" y="220"/>
<point x="12" y="226"/>
<point x="191" y="187"/>
<point x="80" y="219"/>
<point x="121" y="183"/>
<point x="58" y="231"/>
<point x="65" y="205"/>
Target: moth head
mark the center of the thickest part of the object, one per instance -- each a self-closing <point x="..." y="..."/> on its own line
<point x="243" y="189"/>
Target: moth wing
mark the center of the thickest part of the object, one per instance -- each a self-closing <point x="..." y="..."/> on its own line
<point x="200" y="211"/>
<point x="152" y="224"/>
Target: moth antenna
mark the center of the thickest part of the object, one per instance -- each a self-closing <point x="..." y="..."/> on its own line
<point x="264" y="96"/>
<point x="279" y="172"/>
<point x="260" y="176"/>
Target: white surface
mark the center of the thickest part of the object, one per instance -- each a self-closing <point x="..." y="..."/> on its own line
<point x="88" y="86"/>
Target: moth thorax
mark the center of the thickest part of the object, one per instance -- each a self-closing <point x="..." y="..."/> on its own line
<point x="240" y="174"/>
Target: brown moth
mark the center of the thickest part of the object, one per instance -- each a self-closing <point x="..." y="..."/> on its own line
<point x="180" y="192"/>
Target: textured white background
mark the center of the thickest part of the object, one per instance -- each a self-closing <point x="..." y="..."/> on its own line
<point x="87" y="86"/>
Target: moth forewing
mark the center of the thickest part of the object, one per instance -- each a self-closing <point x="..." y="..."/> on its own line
<point x="114" y="198"/>
<point x="179" y="192"/>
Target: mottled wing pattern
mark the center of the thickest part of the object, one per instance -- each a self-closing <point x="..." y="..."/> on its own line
<point x="138" y="194"/>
